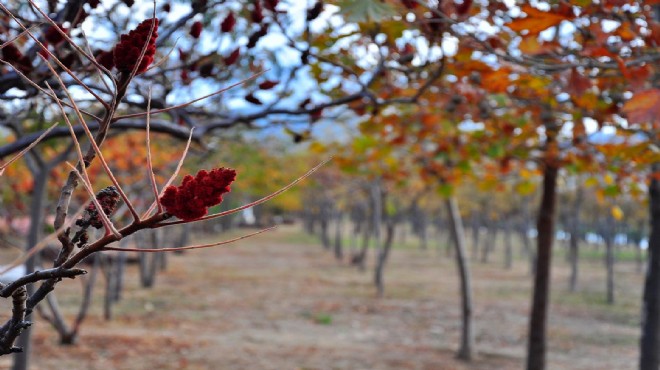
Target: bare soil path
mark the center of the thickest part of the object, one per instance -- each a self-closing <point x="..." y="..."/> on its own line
<point x="278" y="301"/>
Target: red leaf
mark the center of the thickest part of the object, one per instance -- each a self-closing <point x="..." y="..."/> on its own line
<point x="577" y="83"/>
<point x="462" y="9"/>
<point x="231" y="59"/>
<point x="228" y="24"/>
<point x="196" y="29"/>
<point x="644" y="107"/>
<point x="267" y="85"/>
<point x="253" y="99"/>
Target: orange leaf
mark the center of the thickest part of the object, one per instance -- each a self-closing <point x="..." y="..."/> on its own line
<point x="536" y="20"/>
<point x="622" y="66"/>
<point x="531" y="46"/>
<point x="497" y="81"/>
<point x="643" y="107"/>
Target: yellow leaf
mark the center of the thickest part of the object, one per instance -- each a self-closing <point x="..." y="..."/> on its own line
<point x="609" y="180"/>
<point x="591" y="182"/>
<point x="617" y="213"/>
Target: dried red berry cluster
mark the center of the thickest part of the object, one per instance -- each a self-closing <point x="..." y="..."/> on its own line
<point x="108" y="198"/>
<point x="130" y="46"/>
<point x="11" y="54"/>
<point x="53" y="36"/>
<point x="191" y="200"/>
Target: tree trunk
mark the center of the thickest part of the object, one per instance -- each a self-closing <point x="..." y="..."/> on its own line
<point x="403" y="233"/>
<point x="383" y="255"/>
<point x="650" y="339"/>
<point x="489" y="242"/>
<point x="574" y="241"/>
<point x="339" y="254"/>
<point x="120" y="260"/>
<point x="149" y="261"/>
<point x="639" y="252"/>
<point x="524" y="237"/>
<point x="377" y="215"/>
<point x="325" y="238"/>
<point x="545" y="225"/>
<point x="508" y="245"/>
<point x="423" y="231"/>
<point x="360" y="259"/>
<point x="21" y="360"/>
<point x="354" y="234"/>
<point x="466" y="351"/>
<point x="609" y="259"/>
<point x="476" y="231"/>
<point x="68" y="336"/>
<point x="86" y="301"/>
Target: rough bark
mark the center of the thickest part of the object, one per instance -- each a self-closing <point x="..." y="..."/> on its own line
<point x="536" y="349"/>
<point x="650" y="339"/>
<point x="466" y="350"/>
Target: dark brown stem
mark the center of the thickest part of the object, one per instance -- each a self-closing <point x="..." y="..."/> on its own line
<point x="13" y="328"/>
<point x="54" y="273"/>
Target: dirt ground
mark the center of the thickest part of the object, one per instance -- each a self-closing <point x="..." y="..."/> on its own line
<point x="279" y="301"/>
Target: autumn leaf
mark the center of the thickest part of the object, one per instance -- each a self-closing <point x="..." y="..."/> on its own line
<point x="643" y="107"/>
<point x="532" y="46"/>
<point x="617" y="213"/>
<point x="577" y="83"/>
<point x="536" y="20"/>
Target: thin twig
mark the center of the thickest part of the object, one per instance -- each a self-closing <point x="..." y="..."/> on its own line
<point x="22" y="152"/>
<point x="44" y="91"/>
<point x="201" y="246"/>
<point x="192" y="101"/>
<point x="92" y="142"/>
<point x="150" y="165"/>
<point x="20" y="35"/>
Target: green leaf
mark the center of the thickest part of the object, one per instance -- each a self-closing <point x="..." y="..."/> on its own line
<point x="359" y="11"/>
<point x="612" y="190"/>
<point x="445" y="190"/>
